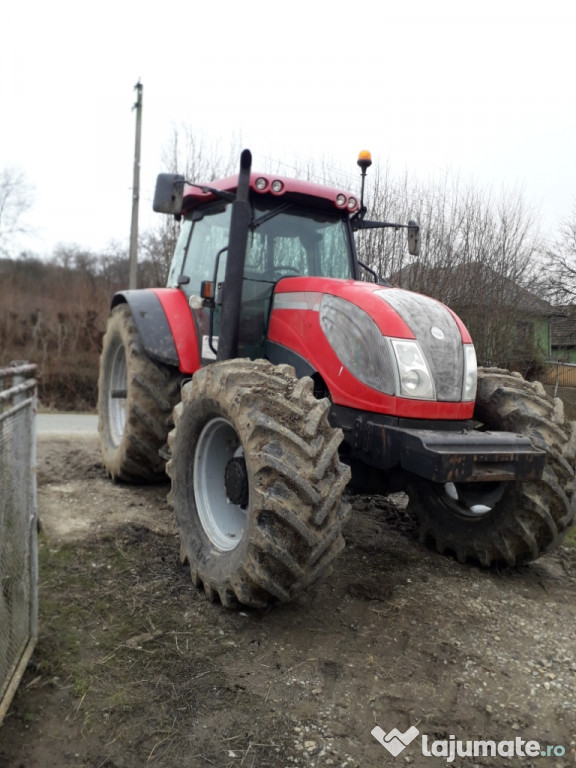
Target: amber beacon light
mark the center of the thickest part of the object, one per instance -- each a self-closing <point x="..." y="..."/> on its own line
<point x="364" y="160"/>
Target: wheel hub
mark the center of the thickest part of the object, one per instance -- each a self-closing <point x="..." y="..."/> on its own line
<point x="117" y="395"/>
<point x="219" y="478"/>
<point x="236" y="481"/>
<point x="474" y="499"/>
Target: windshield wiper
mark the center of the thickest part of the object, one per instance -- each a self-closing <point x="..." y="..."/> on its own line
<point x="270" y="215"/>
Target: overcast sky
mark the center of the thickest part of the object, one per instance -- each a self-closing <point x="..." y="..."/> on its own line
<point x="486" y="90"/>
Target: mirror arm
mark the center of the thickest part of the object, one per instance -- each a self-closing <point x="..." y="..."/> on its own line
<point x="369" y="269"/>
<point x="412" y="227"/>
<point x="363" y="224"/>
<point x="169" y="193"/>
<point x="229" y="196"/>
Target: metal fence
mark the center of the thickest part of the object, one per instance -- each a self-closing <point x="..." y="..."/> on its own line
<point x="18" y="527"/>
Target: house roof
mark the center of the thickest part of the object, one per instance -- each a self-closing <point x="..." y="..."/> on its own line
<point x="471" y="286"/>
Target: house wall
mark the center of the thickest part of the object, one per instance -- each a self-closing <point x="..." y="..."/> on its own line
<point x="564" y="354"/>
<point x="532" y="338"/>
<point x="542" y="335"/>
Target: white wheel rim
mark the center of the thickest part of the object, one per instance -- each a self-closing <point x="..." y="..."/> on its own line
<point x="117" y="395"/>
<point x="481" y="505"/>
<point x="222" y="521"/>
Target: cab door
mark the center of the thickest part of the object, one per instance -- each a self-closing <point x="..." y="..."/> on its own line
<point x="200" y="256"/>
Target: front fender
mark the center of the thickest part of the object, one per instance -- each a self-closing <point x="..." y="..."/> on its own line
<point x="165" y="325"/>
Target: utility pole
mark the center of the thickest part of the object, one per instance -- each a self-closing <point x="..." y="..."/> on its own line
<point x="132" y="283"/>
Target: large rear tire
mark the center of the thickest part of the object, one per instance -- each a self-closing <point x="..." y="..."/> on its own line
<point x="136" y="397"/>
<point x="256" y="482"/>
<point x="505" y="523"/>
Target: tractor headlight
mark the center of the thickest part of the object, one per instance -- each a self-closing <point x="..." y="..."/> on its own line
<point x="470" y="373"/>
<point x="415" y="379"/>
<point x="358" y="343"/>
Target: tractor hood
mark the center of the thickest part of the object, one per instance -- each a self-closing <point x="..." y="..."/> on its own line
<point x="376" y="347"/>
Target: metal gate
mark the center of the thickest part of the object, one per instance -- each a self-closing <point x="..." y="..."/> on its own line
<point x="18" y="527"/>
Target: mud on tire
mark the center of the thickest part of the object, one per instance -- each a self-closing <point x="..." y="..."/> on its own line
<point x="136" y="397"/>
<point x="256" y="482"/>
<point x="523" y="520"/>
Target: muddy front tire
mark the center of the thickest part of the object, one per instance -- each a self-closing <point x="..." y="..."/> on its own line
<point x="505" y="523"/>
<point x="136" y="397"/>
<point x="256" y="483"/>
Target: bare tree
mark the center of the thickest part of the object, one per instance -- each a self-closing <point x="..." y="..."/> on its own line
<point x="197" y="159"/>
<point x="560" y="262"/>
<point x="15" y="201"/>
<point x="73" y="256"/>
<point x="157" y="247"/>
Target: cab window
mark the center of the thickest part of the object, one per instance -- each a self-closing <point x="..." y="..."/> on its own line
<point x="201" y="238"/>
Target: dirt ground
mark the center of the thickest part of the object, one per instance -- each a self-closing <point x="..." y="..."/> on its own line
<point x="133" y="667"/>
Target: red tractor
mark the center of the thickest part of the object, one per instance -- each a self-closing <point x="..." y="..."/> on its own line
<point x="268" y="376"/>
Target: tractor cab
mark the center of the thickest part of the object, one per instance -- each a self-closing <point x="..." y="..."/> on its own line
<point x="291" y="233"/>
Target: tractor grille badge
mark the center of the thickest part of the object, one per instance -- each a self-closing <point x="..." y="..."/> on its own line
<point x="438" y="333"/>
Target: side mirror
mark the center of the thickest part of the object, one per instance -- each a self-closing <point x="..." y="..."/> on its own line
<point x="413" y="238"/>
<point x="169" y="193"/>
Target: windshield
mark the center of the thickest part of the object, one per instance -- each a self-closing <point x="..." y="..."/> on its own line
<point x="297" y="242"/>
<point x="283" y="241"/>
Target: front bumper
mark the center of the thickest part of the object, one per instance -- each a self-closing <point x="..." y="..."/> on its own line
<point x="444" y="452"/>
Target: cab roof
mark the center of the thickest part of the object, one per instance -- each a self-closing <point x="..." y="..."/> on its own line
<point x="268" y="184"/>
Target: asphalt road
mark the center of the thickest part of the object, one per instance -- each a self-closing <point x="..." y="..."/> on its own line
<point x="67" y="424"/>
